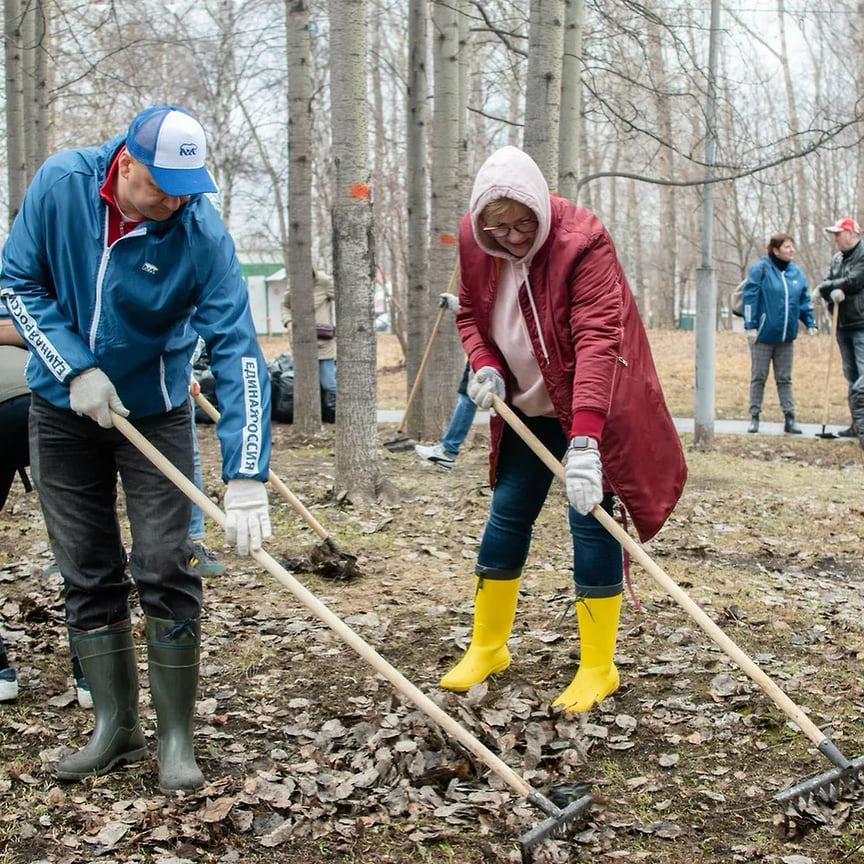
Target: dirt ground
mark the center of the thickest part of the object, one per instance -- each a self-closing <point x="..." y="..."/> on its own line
<point x="311" y="756"/>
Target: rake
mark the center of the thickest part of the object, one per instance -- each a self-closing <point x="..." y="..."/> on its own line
<point x="823" y="433"/>
<point x="798" y="799"/>
<point x="402" y="441"/>
<point x="559" y="821"/>
<point x="335" y="563"/>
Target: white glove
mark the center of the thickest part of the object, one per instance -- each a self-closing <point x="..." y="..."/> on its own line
<point x="92" y="395"/>
<point x="584" y="479"/>
<point x="483" y="384"/>
<point x="812" y="331"/>
<point x="247" y="512"/>
<point x="451" y="301"/>
<point x="837" y="295"/>
<point x="752" y="333"/>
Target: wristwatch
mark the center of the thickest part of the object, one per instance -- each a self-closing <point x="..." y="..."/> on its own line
<point x="583" y="442"/>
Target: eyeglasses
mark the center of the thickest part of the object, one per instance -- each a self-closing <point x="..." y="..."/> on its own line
<point x="523" y="226"/>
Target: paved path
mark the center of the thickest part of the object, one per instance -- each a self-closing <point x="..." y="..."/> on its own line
<point x="683" y="425"/>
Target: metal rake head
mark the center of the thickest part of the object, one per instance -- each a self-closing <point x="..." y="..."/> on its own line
<point x="808" y="802"/>
<point x="561" y="823"/>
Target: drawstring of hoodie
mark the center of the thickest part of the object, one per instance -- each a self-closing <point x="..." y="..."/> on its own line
<point x="537" y="326"/>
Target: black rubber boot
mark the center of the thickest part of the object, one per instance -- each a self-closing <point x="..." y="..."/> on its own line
<point x="850" y="432"/>
<point x="754" y="423"/>
<point x="173" y="650"/>
<point x="789" y="426"/>
<point x="107" y="659"/>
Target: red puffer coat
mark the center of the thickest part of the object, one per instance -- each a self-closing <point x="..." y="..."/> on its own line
<point x="596" y="360"/>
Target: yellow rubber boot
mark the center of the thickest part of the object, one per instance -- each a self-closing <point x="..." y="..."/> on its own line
<point x="494" y="610"/>
<point x="597" y="676"/>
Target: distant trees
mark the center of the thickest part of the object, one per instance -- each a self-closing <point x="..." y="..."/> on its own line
<point x="607" y="95"/>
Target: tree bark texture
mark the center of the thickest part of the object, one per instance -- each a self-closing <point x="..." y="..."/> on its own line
<point x="304" y="344"/>
<point x="543" y="88"/>
<point x="357" y="467"/>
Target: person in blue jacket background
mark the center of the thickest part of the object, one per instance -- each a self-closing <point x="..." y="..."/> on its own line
<point x="774" y="300"/>
<point x="113" y="264"/>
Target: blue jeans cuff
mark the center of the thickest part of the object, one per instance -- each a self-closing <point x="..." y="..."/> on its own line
<point x="496" y="573"/>
<point x="598" y="590"/>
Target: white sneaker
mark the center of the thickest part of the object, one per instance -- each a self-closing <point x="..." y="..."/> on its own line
<point x="436" y="454"/>
<point x="8" y="685"/>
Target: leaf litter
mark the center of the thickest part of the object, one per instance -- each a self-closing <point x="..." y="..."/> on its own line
<point x="311" y="756"/>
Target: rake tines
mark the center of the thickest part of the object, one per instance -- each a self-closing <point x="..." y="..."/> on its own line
<point x="560" y="824"/>
<point x="811" y="801"/>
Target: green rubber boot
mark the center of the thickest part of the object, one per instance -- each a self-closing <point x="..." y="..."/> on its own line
<point x="494" y="610"/>
<point x="173" y="650"/>
<point x="107" y="658"/>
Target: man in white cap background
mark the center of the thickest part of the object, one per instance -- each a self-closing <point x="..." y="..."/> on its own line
<point x="113" y="264"/>
<point x="844" y="286"/>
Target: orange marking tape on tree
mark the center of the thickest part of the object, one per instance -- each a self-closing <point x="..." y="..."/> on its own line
<point x="360" y="190"/>
<point x="448" y="239"/>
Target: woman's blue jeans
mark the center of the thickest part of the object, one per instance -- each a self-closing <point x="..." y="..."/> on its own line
<point x="75" y="464"/>
<point x="520" y="491"/>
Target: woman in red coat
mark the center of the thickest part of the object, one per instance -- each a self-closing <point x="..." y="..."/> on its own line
<point x="550" y="326"/>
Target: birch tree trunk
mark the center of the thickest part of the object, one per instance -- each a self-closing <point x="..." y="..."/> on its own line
<point x="357" y="468"/>
<point x="34" y="36"/>
<point x="298" y="253"/>
<point x="543" y="88"/>
<point x="667" y="261"/>
<point x="570" y="131"/>
<point x="441" y="376"/>
<point x="801" y="198"/>
<point x="16" y="164"/>
<point x="417" y="173"/>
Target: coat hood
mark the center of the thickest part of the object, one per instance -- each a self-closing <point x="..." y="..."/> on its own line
<point x="510" y="173"/>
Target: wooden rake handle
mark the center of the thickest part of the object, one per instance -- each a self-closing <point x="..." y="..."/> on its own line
<point x="210" y="410"/>
<point x="678" y="594"/>
<point x="328" y="617"/>
<point x="834" y="315"/>
<point x="432" y="334"/>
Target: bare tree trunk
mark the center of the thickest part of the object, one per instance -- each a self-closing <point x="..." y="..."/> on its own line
<point x="801" y="199"/>
<point x="570" y="131"/>
<point x="417" y="109"/>
<point x="298" y="251"/>
<point x="441" y="376"/>
<point x="543" y="90"/>
<point x="357" y="468"/>
<point x="34" y="35"/>
<point x="16" y="163"/>
<point x="667" y="259"/>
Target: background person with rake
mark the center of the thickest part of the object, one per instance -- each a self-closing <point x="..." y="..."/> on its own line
<point x="844" y="287"/>
<point x="774" y="300"/>
<point x="444" y="453"/>
<point x="550" y="326"/>
<point x="113" y="259"/>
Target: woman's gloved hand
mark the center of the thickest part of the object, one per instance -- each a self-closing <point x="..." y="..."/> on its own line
<point x="483" y="384"/>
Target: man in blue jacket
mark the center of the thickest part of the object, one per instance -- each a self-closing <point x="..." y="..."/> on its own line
<point x="114" y="262"/>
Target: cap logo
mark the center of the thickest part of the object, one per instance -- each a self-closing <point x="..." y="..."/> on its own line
<point x="188" y="149"/>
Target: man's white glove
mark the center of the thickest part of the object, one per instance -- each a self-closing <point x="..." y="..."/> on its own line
<point x="837" y="295"/>
<point x="92" y="395"/>
<point x="247" y="513"/>
<point x="752" y="333"/>
<point x="483" y="384"/>
<point x="812" y="331"/>
<point x="451" y="301"/>
<point x="584" y="479"/>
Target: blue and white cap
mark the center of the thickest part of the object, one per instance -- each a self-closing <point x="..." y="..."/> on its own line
<point x="171" y="143"/>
